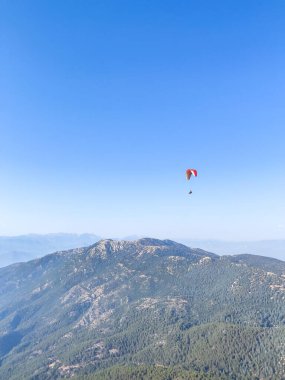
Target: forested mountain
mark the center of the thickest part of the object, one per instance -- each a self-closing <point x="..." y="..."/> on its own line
<point x="147" y="309"/>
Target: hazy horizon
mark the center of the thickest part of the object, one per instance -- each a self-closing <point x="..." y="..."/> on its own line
<point x="27" y="247"/>
<point x="136" y="236"/>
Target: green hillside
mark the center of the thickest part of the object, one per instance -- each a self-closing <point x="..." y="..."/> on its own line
<point x="145" y="309"/>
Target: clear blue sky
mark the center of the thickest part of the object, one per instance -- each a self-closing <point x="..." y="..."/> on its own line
<point x="104" y="104"/>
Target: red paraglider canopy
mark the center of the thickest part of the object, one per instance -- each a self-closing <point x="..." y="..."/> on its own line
<point x="190" y="172"/>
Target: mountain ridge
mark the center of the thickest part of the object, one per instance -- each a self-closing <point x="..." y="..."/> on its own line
<point x="122" y="302"/>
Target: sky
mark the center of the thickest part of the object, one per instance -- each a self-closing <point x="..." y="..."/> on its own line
<point x="104" y="104"/>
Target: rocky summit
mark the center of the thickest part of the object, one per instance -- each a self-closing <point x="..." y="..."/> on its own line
<point x="148" y="306"/>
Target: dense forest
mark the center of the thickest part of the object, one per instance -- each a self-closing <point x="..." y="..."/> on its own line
<point x="148" y="309"/>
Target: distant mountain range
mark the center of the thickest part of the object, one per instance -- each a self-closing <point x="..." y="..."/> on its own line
<point x="271" y="248"/>
<point x="145" y="309"/>
<point x="15" y="249"/>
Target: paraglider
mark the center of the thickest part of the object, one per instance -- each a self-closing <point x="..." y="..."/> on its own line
<point x="189" y="173"/>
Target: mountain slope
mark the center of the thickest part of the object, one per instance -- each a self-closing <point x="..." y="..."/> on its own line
<point x="151" y="302"/>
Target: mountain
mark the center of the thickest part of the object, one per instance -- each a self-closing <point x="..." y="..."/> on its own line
<point x="27" y="247"/>
<point x="149" y="309"/>
<point x="272" y="248"/>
